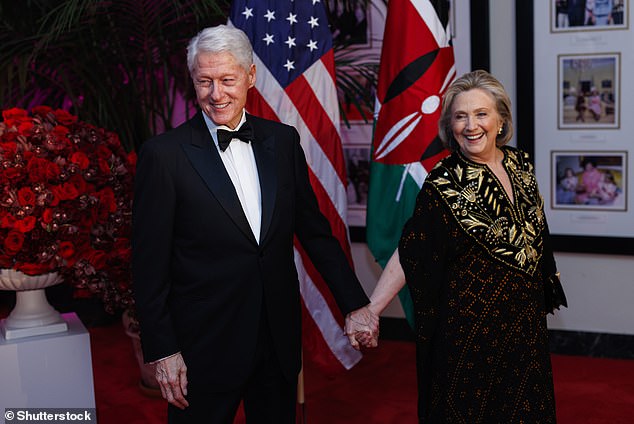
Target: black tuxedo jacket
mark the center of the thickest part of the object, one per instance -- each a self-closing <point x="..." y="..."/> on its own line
<point x="200" y="277"/>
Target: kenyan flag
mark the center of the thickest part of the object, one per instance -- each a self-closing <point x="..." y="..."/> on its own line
<point x="417" y="65"/>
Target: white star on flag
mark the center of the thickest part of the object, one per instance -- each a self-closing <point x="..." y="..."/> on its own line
<point x="289" y="65"/>
<point x="268" y="39"/>
<point x="292" y="18"/>
<point x="270" y="15"/>
<point x="290" y="41"/>
<point x="248" y="12"/>
<point x="313" y="22"/>
<point x="312" y="45"/>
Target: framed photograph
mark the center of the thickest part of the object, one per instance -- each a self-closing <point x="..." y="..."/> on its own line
<point x="349" y="22"/>
<point x="589" y="94"/>
<point x="579" y="144"/>
<point x="588" y="180"/>
<point x="588" y="15"/>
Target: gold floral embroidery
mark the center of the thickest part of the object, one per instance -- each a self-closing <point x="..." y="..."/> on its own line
<point x="510" y="232"/>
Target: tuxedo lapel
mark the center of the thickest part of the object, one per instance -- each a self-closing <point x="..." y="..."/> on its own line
<point x="264" y="151"/>
<point x="205" y="159"/>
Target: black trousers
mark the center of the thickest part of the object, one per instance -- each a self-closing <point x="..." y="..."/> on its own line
<point x="269" y="398"/>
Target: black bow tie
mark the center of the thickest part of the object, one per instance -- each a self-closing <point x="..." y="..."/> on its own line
<point x="245" y="133"/>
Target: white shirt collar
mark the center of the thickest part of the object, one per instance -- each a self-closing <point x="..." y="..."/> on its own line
<point x="213" y="128"/>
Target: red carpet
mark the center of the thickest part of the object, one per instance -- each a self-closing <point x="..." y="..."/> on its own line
<point x="380" y="390"/>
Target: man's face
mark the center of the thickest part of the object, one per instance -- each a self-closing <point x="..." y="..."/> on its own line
<point x="221" y="86"/>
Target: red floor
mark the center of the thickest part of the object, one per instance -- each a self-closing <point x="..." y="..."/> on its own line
<point x="380" y="390"/>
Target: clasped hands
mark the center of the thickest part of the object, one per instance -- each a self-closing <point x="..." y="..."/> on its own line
<point x="362" y="328"/>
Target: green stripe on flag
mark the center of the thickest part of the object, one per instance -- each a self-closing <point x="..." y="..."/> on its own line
<point x="386" y="216"/>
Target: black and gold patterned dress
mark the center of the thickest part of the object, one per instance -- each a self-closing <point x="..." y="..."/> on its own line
<point x="475" y="264"/>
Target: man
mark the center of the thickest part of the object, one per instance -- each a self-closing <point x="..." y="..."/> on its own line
<point x="216" y="286"/>
<point x="576" y="12"/>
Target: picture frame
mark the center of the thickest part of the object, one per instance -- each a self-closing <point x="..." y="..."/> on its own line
<point x="589" y="90"/>
<point x="350" y="22"/>
<point x="575" y="15"/>
<point x="589" y="180"/>
<point x="606" y="230"/>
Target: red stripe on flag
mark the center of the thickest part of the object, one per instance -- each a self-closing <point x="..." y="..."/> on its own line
<point x="326" y="206"/>
<point x="320" y="283"/>
<point x="312" y="341"/>
<point x="329" y="62"/>
<point x="256" y="105"/>
<point x="318" y="123"/>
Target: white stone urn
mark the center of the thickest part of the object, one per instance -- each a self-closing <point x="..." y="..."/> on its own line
<point x="32" y="315"/>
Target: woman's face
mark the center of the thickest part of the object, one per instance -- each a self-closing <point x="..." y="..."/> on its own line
<point x="475" y="123"/>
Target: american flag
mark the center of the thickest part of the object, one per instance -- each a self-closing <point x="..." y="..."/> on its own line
<point x="295" y="84"/>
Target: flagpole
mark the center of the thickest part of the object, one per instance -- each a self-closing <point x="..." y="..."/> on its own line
<point x="301" y="399"/>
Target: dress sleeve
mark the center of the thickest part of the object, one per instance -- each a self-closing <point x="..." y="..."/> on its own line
<point x="423" y="255"/>
<point x="554" y="295"/>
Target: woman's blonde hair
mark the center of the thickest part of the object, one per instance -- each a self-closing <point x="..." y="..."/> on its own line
<point x="469" y="81"/>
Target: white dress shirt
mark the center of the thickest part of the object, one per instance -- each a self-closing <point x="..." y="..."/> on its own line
<point x="239" y="162"/>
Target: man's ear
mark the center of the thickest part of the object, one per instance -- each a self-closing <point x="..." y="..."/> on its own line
<point x="252" y="75"/>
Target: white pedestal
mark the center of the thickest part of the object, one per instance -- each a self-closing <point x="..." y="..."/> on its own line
<point x="49" y="371"/>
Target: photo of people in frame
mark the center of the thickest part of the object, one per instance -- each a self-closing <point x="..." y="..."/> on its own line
<point x="588" y="15"/>
<point x="589" y="91"/>
<point x="348" y="21"/>
<point x="589" y="180"/>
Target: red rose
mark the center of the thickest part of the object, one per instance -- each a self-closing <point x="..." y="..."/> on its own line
<point x="33" y="268"/>
<point x="60" y="131"/>
<point x="14" y="174"/>
<point x="6" y="261"/>
<point x="54" y="199"/>
<point x="97" y="258"/>
<point x="132" y="157"/>
<point x="8" y="149"/>
<point x="66" y="191"/>
<point x="41" y="110"/>
<point x="47" y="215"/>
<point x="64" y="118"/>
<point x="67" y="251"/>
<point x="81" y="185"/>
<point x="104" y="167"/>
<point x="41" y="170"/>
<point x="107" y="199"/>
<point x="25" y="225"/>
<point x="25" y="127"/>
<point x="14" y="116"/>
<point x="80" y="159"/>
<point x="26" y="196"/>
<point x="103" y="152"/>
<point x="7" y="221"/>
<point x="13" y="242"/>
<point x="113" y="140"/>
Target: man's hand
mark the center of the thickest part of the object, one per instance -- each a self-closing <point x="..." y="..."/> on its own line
<point x="362" y="326"/>
<point x="171" y="374"/>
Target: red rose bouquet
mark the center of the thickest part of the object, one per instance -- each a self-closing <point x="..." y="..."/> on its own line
<point x="65" y="202"/>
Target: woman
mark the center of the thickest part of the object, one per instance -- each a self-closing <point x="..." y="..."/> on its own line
<point x="590" y="179"/>
<point x="594" y="104"/>
<point x="477" y="262"/>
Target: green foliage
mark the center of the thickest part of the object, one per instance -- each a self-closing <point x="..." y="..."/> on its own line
<point x="121" y="64"/>
<point x="118" y="64"/>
